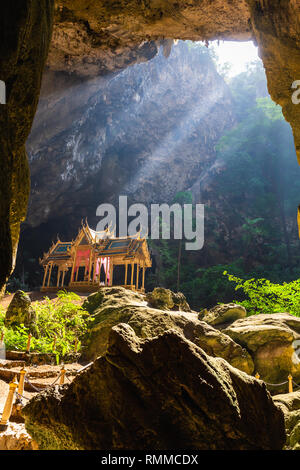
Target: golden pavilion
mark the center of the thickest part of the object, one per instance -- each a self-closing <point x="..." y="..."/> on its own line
<point x="93" y="260"/>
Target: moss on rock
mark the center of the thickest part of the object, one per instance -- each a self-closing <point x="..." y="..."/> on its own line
<point x="223" y="314"/>
<point x="165" y="299"/>
<point x="20" y="312"/>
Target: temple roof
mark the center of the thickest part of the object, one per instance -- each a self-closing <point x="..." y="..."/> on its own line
<point x="102" y="235"/>
<point x="103" y="242"/>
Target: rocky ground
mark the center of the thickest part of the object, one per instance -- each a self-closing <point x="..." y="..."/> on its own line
<point x="15" y="437"/>
<point x="290" y="405"/>
<point x="164" y="376"/>
<point x="41" y="376"/>
<point x="158" y="393"/>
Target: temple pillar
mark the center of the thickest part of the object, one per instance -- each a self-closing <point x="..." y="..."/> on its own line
<point x="111" y="272"/>
<point x="45" y="274"/>
<point x="106" y="272"/>
<point x="50" y="271"/>
<point x="137" y="275"/>
<point x="58" y="276"/>
<point x="126" y="272"/>
<point x="90" y="266"/>
<point x="143" y="279"/>
<point x="63" y="278"/>
<point x="73" y="267"/>
<point x="94" y="267"/>
<point x="132" y="272"/>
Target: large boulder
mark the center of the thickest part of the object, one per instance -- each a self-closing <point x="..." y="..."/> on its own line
<point x="165" y="299"/>
<point x="223" y="314"/>
<point x="21" y="312"/>
<point x="273" y="342"/>
<point x="158" y="393"/>
<point x="289" y="403"/>
<point x="114" y="305"/>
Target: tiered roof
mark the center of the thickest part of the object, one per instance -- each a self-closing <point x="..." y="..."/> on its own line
<point x="105" y="245"/>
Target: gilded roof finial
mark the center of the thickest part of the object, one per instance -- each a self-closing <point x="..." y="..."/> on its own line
<point x="146" y="234"/>
<point x="112" y="231"/>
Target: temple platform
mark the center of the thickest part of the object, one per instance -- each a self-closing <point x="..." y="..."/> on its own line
<point x="85" y="287"/>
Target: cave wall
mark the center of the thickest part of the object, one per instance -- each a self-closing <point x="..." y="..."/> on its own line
<point x="95" y="139"/>
<point x="276" y="28"/>
<point x="25" y="30"/>
<point x="147" y="132"/>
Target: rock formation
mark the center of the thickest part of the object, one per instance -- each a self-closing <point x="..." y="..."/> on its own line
<point x="15" y="437"/>
<point x="265" y="343"/>
<point x="289" y="403"/>
<point x="165" y="299"/>
<point x="98" y="137"/>
<point x="20" y="312"/>
<point x="25" y="31"/>
<point x="273" y="342"/>
<point x="223" y="314"/>
<point x="103" y="36"/>
<point x="159" y="393"/>
<point x="113" y="305"/>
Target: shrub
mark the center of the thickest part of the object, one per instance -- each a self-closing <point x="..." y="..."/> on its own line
<point x="62" y="318"/>
<point x="267" y="297"/>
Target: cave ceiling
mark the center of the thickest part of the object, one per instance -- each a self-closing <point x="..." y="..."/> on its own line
<point x="94" y="37"/>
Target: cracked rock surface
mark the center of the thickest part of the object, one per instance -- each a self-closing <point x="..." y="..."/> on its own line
<point x="158" y="393"/>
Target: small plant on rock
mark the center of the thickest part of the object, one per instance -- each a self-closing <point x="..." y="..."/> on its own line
<point x="62" y="320"/>
<point x="59" y="322"/>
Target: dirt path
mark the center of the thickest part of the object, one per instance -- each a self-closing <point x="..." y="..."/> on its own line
<point x="37" y="296"/>
<point x="38" y="376"/>
<point x="4" y="387"/>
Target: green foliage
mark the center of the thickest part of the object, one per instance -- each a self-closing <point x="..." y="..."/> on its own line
<point x="183" y="197"/>
<point x="247" y="87"/>
<point x="259" y="181"/>
<point x="62" y="318"/>
<point x="15" y="283"/>
<point x="263" y="296"/>
<point x="2" y="316"/>
<point x="16" y="339"/>
<point x="207" y="286"/>
<point x="271" y="109"/>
